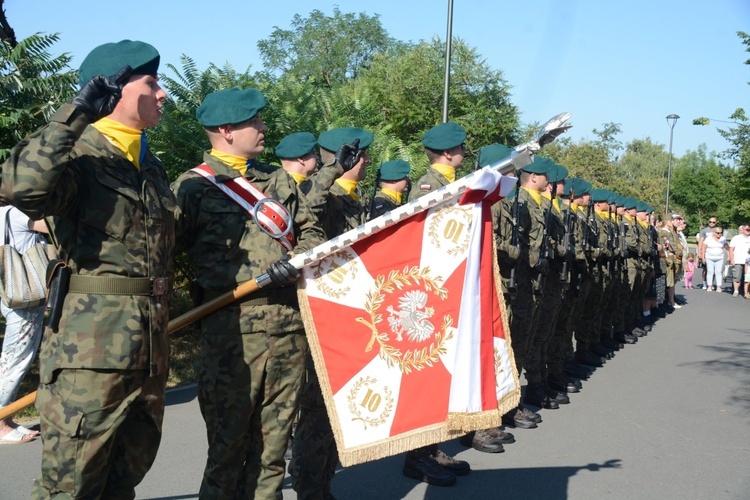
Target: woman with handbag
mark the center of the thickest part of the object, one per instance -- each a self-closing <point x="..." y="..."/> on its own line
<point x="23" y="326"/>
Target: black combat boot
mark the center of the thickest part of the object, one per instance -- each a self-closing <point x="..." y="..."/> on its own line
<point x="536" y="396"/>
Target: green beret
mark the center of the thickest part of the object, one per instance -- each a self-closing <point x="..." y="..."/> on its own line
<point x="600" y="195"/>
<point x="110" y="58"/>
<point x="540" y="165"/>
<point x="296" y="145"/>
<point x="394" y="170"/>
<point x="444" y="136"/>
<point x="333" y="139"/>
<point x="558" y="174"/>
<point x="229" y="107"/>
<point x="630" y="203"/>
<point x="650" y="210"/>
<point x="641" y="207"/>
<point x="579" y="187"/>
<point x="493" y="153"/>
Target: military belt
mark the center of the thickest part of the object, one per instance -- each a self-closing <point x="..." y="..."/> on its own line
<point x="119" y="285"/>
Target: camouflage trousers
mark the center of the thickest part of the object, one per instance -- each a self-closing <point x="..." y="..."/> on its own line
<point x="624" y="292"/>
<point x="248" y="390"/>
<point x="100" y="432"/>
<point x="582" y="320"/>
<point x="560" y="348"/>
<point x="544" y="328"/>
<point x="522" y="310"/>
<point x="314" y="452"/>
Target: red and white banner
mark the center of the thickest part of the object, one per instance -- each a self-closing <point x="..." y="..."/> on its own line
<point x="408" y="330"/>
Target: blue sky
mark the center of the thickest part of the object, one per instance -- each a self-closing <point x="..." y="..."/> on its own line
<point x="631" y="63"/>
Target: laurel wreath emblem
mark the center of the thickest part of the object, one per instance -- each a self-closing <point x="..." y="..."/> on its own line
<point x="498" y="363"/>
<point x="318" y="273"/>
<point x="437" y="219"/>
<point x="412" y="359"/>
<point x="354" y="407"/>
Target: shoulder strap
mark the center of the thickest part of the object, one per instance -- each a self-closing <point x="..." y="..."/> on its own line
<point x="269" y="214"/>
<point x="7" y="226"/>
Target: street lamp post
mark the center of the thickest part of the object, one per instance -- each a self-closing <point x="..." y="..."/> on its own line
<point x="671" y="120"/>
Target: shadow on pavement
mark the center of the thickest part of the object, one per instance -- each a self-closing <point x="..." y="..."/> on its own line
<point x="367" y="481"/>
<point x="733" y="358"/>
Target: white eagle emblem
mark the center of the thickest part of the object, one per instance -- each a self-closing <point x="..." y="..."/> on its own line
<point x="412" y="317"/>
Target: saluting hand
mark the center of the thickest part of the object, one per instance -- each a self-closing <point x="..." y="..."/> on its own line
<point x="101" y="94"/>
<point x="348" y="155"/>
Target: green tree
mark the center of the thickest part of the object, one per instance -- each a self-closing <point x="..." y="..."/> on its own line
<point x="33" y="84"/>
<point x="700" y="187"/>
<point x="405" y="87"/>
<point x="325" y="50"/>
<point x="585" y="159"/>
<point x="739" y="153"/>
<point x="179" y="140"/>
<point x="642" y="173"/>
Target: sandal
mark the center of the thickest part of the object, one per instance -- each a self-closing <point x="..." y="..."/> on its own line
<point x="16" y="437"/>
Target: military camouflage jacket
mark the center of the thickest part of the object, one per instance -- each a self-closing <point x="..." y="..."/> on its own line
<point x="502" y="224"/>
<point x="227" y="248"/>
<point x="342" y="212"/>
<point x="317" y="186"/>
<point x="589" y="239"/>
<point x="107" y="219"/>
<point x="431" y="181"/>
<point x="536" y="227"/>
<point x="604" y="242"/>
<point x="556" y="235"/>
<point x="631" y="239"/>
<point x="381" y="204"/>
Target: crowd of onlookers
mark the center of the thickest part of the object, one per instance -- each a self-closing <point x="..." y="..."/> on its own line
<point x="718" y="259"/>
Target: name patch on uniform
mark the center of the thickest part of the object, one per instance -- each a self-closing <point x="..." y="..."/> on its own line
<point x="425" y="187"/>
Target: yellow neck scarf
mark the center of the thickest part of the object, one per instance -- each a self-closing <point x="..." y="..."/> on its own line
<point x="446" y="171"/>
<point x="643" y="223"/>
<point x="535" y="195"/>
<point x="395" y="195"/>
<point x="298" y="178"/>
<point x="349" y="186"/>
<point x="126" y="139"/>
<point x="236" y="162"/>
<point x="603" y="214"/>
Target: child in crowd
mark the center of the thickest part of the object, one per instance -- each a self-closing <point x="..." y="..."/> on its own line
<point x="689" y="268"/>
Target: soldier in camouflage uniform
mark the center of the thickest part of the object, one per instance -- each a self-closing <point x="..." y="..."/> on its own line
<point x="508" y="254"/>
<point x="107" y="201"/>
<point x="298" y="156"/>
<point x="522" y="306"/>
<point x="394" y="182"/>
<point x="253" y="351"/>
<point x="587" y="330"/>
<point x="334" y="196"/>
<point x="647" y="264"/>
<point x="538" y="392"/>
<point x="576" y="200"/>
<point x="445" y="149"/>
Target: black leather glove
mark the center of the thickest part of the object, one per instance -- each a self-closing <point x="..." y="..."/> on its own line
<point x="542" y="266"/>
<point x="348" y="155"/>
<point x="282" y="272"/>
<point x="100" y="95"/>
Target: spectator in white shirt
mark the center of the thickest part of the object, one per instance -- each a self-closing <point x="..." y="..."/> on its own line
<point x="739" y="253"/>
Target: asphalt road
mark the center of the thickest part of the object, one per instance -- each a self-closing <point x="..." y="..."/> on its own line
<point x="667" y="418"/>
